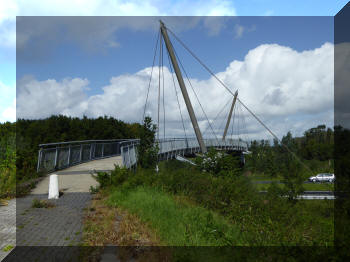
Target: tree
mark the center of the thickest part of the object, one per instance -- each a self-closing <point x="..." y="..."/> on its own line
<point x="147" y="149"/>
<point x="292" y="179"/>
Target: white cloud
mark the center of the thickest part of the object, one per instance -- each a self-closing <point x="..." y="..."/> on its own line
<point x="37" y="99"/>
<point x="12" y="8"/>
<point x="9" y="9"/>
<point x="9" y="113"/>
<point x="7" y="103"/>
<point x="288" y="90"/>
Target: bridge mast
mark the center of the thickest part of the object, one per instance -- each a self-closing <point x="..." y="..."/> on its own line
<point x="183" y="87"/>
<point x="230" y="115"/>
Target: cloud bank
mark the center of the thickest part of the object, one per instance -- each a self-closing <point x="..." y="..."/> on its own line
<point x="289" y="90"/>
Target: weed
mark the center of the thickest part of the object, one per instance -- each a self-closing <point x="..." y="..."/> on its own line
<point x="93" y="190"/>
<point x="7" y="248"/>
<point x="37" y="203"/>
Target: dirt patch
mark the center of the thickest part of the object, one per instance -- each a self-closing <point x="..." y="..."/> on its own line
<point x="113" y="226"/>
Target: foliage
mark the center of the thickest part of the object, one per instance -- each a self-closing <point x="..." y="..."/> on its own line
<point x="263" y="219"/>
<point x="93" y="190"/>
<point x="115" y="177"/>
<point x="219" y="164"/>
<point x="315" y="149"/>
<point x="293" y="180"/>
<point x="147" y="151"/>
<point x="7" y="159"/>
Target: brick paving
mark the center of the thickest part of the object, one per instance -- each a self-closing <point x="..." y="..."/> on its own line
<point x="51" y="234"/>
<point x="7" y="227"/>
<point x="57" y="226"/>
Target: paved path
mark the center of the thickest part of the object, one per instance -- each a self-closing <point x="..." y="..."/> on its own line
<point x="7" y="227"/>
<point x="58" y="226"/>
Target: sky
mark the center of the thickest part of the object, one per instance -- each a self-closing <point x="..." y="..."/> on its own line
<point x="101" y="65"/>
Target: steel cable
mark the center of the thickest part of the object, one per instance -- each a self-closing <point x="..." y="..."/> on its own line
<point x="150" y="80"/>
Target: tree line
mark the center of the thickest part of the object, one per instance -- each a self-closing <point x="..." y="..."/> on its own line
<point x="57" y="128"/>
<point x="315" y="148"/>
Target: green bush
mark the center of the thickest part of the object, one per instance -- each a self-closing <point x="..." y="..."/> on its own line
<point x="147" y="150"/>
<point x="219" y="164"/>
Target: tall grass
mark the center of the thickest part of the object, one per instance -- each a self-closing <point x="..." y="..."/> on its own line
<point x="7" y="182"/>
<point x="7" y="165"/>
<point x="264" y="220"/>
<point x="177" y="223"/>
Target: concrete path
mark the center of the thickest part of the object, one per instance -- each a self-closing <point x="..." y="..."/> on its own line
<point x="58" y="226"/>
<point x="78" y="178"/>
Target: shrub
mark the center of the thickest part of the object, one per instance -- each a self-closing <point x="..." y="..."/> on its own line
<point x="219" y="164"/>
<point x="114" y="178"/>
<point x="94" y="190"/>
<point x="147" y="150"/>
<point x="103" y="178"/>
<point x="293" y="179"/>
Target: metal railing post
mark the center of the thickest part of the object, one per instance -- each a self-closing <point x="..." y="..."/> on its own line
<point x="39" y="160"/>
<point x="133" y="146"/>
<point x="103" y="148"/>
<point x="81" y="153"/>
<point x="69" y="152"/>
<point x="129" y="156"/>
<point x="56" y="158"/>
<point x="90" y="151"/>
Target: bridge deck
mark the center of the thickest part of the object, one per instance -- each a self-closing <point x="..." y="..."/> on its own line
<point x="77" y="178"/>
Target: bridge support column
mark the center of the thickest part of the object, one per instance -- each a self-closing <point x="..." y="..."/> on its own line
<point x="183" y="87"/>
<point x="230" y="115"/>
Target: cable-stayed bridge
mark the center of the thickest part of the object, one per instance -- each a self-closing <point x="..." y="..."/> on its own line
<point x="57" y="156"/>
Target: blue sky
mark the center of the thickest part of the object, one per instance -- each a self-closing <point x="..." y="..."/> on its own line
<point x="56" y="58"/>
<point x="96" y="61"/>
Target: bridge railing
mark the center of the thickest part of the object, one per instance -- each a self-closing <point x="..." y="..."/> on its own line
<point x="55" y="156"/>
<point x="169" y="148"/>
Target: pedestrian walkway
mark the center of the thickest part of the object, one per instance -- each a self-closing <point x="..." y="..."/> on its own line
<point x="60" y="225"/>
<point x="7" y="228"/>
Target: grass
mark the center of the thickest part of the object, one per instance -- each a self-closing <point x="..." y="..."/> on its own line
<point x="257" y="177"/>
<point x="307" y="187"/>
<point x="178" y="223"/>
<point x="7" y="248"/>
<point x="7" y="182"/>
<point x="180" y="198"/>
<point x="104" y="225"/>
<point x="36" y="203"/>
